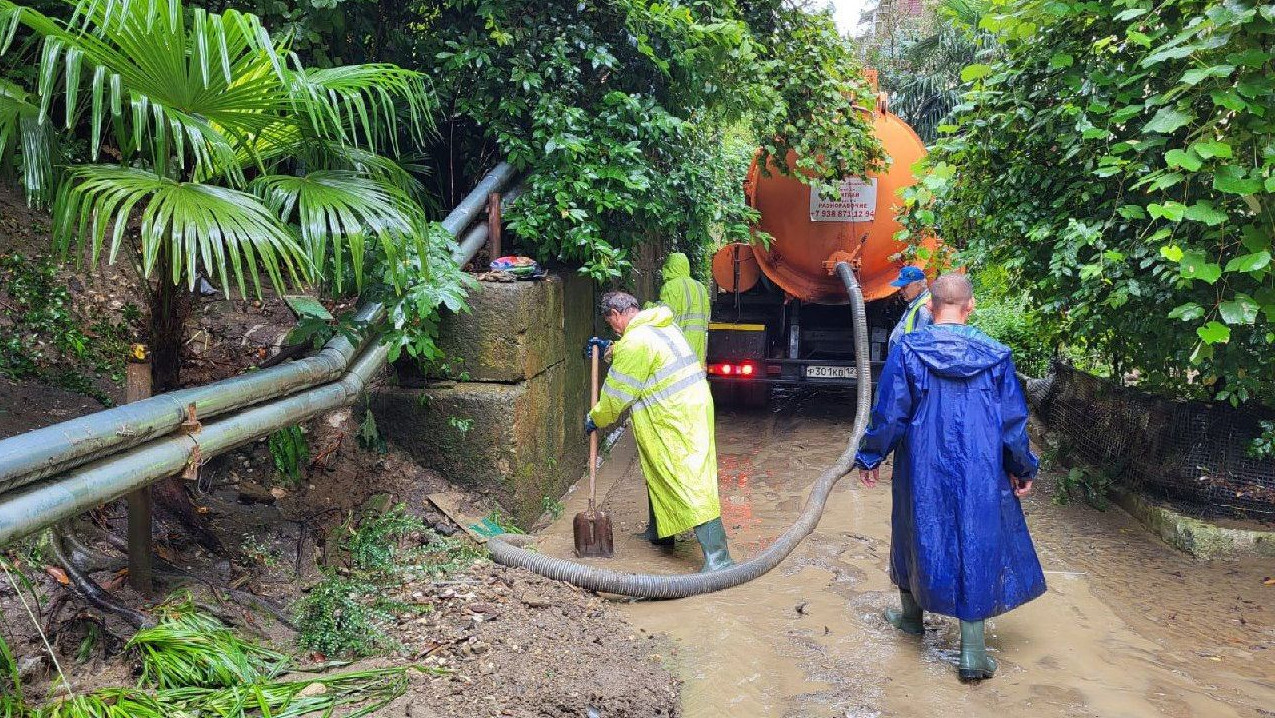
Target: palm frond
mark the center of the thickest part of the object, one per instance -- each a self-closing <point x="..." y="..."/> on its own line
<point x="360" y="103"/>
<point x="343" y="209"/>
<point x="204" y="226"/>
<point x="27" y="144"/>
<point x="189" y="649"/>
<point x="192" y="91"/>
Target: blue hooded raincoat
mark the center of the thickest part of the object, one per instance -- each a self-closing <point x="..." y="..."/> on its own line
<point x="949" y="404"/>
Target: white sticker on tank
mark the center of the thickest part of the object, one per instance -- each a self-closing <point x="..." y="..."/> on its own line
<point x="858" y="203"/>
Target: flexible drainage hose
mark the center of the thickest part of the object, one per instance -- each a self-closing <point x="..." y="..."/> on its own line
<point x="681" y="586"/>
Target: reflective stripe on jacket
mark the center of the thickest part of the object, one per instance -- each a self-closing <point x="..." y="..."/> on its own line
<point x="689" y="301"/>
<point x="655" y="373"/>
<point x="916" y="316"/>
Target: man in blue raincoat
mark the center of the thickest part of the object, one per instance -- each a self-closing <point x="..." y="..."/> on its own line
<point x="949" y="405"/>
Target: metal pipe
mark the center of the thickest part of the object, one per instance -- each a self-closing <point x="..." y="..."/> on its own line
<point x="476" y="201"/>
<point x="54" y="449"/>
<point x="31" y="456"/>
<point x="681" y="586"/>
<point x="28" y="509"/>
<point x="476" y="237"/>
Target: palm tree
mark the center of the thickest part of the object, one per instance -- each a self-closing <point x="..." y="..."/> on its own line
<point x="926" y="83"/>
<point x="233" y="160"/>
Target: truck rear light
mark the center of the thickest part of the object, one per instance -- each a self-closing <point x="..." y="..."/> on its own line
<point x="743" y="370"/>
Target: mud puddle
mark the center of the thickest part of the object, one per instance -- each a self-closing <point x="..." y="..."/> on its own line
<point x="1129" y="627"/>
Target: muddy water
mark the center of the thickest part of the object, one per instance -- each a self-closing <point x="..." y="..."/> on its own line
<point x="1129" y="627"/>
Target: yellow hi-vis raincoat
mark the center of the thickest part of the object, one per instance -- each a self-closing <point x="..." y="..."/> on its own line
<point x="654" y="371"/>
<point x="689" y="301"/>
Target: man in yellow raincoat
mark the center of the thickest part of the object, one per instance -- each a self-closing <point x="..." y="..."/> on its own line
<point x="689" y="301"/>
<point x="655" y="373"/>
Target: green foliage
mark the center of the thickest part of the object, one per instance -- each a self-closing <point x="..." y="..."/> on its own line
<point x="193" y="665"/>
<point x="375" y="544"/>
<point x="1007" y="316"/>
<point x="12" y="704"/>
<point x="369" y="437"/>
<point x="290" y="451"/>
<point x="553" y="507"/>
<point x="191" y="649"/>
<point x="258" y="552"/>
<point x="339" y="617"/>
<point x="234" y="158"/>
<point x="461" y="425"/>
<point x="347" y="615"/>
<point x="617" y="112"/>
<point x="1087" y="484"/>
<point x="925" y="71"/>
<point x="1263" y="447"/>
<point x="48" y="339"/>
<point x="1116" y="160"/>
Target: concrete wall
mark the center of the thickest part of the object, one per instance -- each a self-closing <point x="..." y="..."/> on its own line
<point x="513" y="426"/>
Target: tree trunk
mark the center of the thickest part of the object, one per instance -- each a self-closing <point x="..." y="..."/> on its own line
<point x="169" y="305"/>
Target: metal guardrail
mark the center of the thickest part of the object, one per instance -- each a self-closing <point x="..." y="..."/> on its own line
<point x="65" y="469"/>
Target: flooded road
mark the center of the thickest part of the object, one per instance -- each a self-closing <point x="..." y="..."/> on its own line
<point x="1128" y="627"/>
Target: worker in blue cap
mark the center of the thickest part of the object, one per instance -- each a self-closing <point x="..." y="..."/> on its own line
<point x="916" y="292"/>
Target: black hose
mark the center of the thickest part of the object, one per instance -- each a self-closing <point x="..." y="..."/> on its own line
<point x="681" y="586"/>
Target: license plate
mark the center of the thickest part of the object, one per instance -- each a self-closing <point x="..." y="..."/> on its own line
<point x="817" y="371"/>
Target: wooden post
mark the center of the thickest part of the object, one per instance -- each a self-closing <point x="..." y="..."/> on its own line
<point x="140" y="561"/>
<point x="493" y="225"/>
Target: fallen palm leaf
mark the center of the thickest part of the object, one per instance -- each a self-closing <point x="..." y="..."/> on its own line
<point x="191" y="649"/>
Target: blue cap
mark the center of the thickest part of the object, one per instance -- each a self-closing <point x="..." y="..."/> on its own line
<point x="907" y="275"/>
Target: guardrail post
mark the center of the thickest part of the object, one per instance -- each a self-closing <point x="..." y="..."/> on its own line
<point x="493" y="225"/>
<point x="140" y="561"/>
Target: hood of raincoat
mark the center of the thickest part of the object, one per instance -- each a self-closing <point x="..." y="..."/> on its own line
<point x="677" y="265"/>
<point x="657" y="316"/>
<point x="956" y="350"/>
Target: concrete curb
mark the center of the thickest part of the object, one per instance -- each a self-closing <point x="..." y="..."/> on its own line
<point x="1199" y="538"/>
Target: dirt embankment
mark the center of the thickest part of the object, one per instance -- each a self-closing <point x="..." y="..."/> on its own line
<point x="512" y="644"/>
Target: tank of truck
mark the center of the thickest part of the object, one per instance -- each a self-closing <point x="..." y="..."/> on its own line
<point x="779" y="315"/>
<point x="809" y="232"/>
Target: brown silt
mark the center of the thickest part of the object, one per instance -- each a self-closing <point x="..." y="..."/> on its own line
<point x="592" y="528"/>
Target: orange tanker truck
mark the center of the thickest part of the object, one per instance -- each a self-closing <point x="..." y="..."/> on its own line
<point x="780" y="316"/>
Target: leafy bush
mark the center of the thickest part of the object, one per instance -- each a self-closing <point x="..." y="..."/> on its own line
<point x="339" y="617"/>
<point x="617" y="112"/>
<point x="1116" y="160"/>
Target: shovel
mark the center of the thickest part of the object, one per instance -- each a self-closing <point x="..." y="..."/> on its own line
<point x="592" y="528"/>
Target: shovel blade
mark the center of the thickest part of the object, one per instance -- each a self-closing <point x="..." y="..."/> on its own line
<point x="593" y="534"/>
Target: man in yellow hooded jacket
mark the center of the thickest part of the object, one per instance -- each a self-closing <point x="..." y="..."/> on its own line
<point x="655" y="373"/>
<point x="689" y="301"/>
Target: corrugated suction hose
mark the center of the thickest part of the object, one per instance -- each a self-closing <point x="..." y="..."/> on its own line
<point x="681" y="586"/>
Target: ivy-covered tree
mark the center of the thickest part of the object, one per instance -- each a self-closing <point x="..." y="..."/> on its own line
<point x="1118" y="160"/>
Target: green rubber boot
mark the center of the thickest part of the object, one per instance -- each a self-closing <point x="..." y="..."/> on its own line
<point x="911" y="618"/>
<point x="652" y="533"/>
<point x="712" y="538"/>
<point x="976" y="665"/>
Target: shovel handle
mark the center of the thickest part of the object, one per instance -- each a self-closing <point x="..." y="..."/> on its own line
<point x="593" y="437"/>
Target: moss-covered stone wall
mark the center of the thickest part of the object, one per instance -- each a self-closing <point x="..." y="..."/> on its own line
<point x="507" y="419"/>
